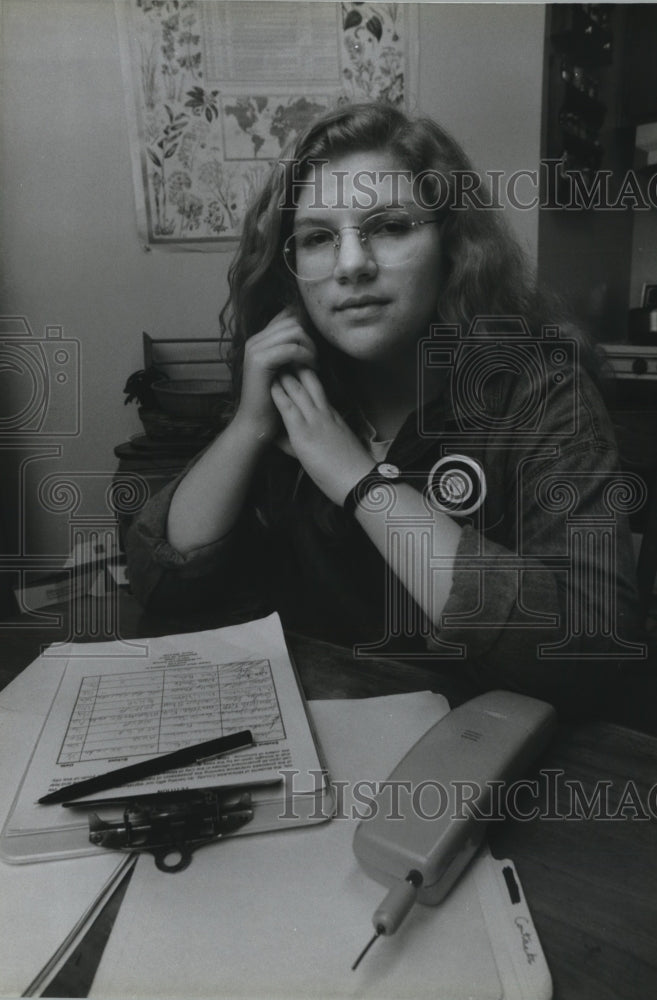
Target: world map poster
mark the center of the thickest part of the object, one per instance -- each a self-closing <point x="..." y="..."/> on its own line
<point x="216" y="91"/>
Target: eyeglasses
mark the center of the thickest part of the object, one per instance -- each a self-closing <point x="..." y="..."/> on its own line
<point x="390" y="237"/>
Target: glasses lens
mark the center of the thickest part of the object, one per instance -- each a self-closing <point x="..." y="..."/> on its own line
<point x="310" y="253"/>
<point x="391" y="237"/>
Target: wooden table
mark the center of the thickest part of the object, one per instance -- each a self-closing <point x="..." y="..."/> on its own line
<point x="591" y="883"/>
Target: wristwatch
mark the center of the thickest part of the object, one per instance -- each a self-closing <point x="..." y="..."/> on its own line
<point x="382" y="474"/>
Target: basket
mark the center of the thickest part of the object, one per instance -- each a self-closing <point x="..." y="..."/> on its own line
<point x="192" y="399"/>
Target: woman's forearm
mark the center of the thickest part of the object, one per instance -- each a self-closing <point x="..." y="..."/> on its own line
<point x="208" y="501"/>
<point x="418" y="544"/>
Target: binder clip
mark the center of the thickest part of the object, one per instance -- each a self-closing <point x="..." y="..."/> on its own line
<point x="170" y="826"/>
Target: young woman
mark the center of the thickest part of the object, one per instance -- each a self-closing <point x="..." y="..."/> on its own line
<point x="416" y="464"/>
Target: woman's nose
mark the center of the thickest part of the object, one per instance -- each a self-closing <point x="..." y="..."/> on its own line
<point x="353" y="258"/>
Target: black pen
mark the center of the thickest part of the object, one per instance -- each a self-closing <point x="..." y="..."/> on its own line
<point x="164" y="798"/>
<point x="195" y="754"/>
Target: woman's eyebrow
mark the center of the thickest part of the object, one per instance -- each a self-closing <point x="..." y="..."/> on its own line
<point x="308" y="222"/>
<point x="333" y="221"/>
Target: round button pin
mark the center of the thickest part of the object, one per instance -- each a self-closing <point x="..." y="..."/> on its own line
<point x="456" y="485"/>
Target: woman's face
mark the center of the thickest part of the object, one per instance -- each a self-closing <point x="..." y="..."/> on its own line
<point x="370" y="312"/>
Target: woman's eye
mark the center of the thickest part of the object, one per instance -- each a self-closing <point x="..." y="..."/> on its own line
<point x="389" y="226"/>
<point x="315" y="239"/>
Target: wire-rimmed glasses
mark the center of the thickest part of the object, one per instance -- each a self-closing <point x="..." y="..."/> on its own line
<point x="391" y="238"/>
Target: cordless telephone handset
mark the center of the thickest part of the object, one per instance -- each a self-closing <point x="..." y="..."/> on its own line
<point x="463" y="758"/>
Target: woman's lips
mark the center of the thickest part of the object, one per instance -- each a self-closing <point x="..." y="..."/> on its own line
<point x="361" y="303"/>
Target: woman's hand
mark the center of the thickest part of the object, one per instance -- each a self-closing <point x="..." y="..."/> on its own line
<point x="325" y="445"/>
<point x="282" y="344"/>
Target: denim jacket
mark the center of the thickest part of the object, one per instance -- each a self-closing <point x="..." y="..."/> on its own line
<point x="543" y="595"/>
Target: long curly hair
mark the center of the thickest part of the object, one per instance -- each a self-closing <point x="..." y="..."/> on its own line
<point x="484" y="271"/>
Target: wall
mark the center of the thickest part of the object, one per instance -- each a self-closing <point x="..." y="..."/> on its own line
<point x="481" y="75"/>
<point x="70" y="247"/>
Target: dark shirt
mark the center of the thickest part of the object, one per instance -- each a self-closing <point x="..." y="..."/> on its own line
<point x="543" y="592"/>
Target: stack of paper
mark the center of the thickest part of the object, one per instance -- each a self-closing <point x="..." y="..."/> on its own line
<point x="39" y="904"/>
<point x="285" y="915"/>
<point x="119" y="705"/>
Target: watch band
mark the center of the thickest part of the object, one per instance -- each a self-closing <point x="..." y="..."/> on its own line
<point x="384" y="473"/>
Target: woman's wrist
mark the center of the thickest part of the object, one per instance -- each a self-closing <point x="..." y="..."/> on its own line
<point x="380" y="474"/>
<point x="350" y="479"/>
<point x="250" y="433"/>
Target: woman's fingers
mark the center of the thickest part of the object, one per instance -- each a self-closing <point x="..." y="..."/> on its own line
<point x="313" y="387"/>
<point x="282" y="401"/>
<point x="284" y="327"/>
<point x="305" y="395"/>
<point x="272" y="358"/>
<point x="286" y="332"/>
<point x="297" y="394"/>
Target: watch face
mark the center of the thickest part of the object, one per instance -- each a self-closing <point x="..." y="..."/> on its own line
<point x="388" y="470"/>
<point x="456" y="485"/>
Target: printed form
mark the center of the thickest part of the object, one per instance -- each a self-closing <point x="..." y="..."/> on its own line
<point x="111" y="710"/>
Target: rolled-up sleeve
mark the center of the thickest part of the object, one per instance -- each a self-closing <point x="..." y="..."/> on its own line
<point x="164" y="578"/>
<point x="551" y="606"/>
